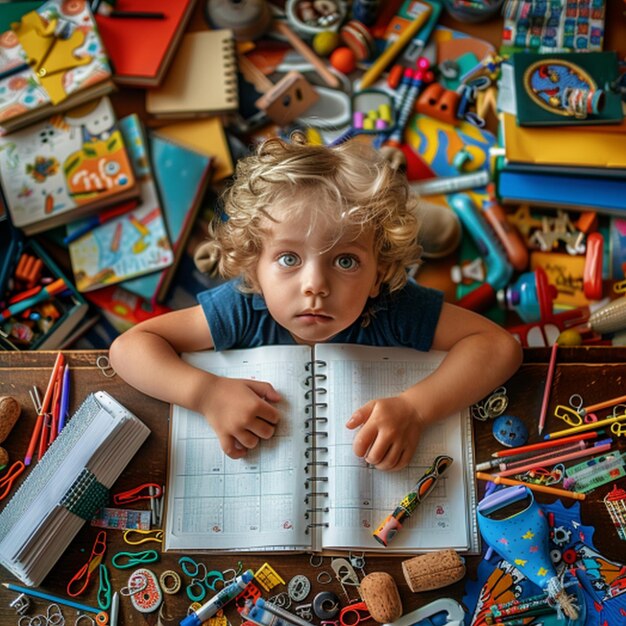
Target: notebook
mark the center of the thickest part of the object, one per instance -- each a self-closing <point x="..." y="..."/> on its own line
<point x="304" y="490"/>
<point x="202" y="79"/>
<point x="182" y="177"/>
<point x="63" y="63"/>
<point x="68" y="485"/>
<point x="66" y="167"/>
<point x="133" y="244"/>
<point x="141" y="50"/>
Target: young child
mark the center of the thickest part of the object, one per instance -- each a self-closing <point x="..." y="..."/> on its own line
<point x="317" y="241"/>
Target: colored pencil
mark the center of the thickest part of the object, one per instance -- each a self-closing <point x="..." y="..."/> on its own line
<point x="585" y="427"/>
<point x="602" y="405"/>
<point x="65" y="398"/>
<point x="553" y="491"/>
<point x="546" y="390"/>
<point x="46" y="596"/>
<point x="544" y="444"/>
<point x="102" y="218"/>
<point x="44" y="409"/>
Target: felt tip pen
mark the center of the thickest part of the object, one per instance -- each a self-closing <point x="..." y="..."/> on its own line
<point x="218" y="601"/>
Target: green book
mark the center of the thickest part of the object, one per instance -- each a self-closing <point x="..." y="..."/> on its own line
<point x="566" y="88"/>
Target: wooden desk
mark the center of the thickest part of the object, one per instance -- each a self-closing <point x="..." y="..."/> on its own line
<point x="595" y="373"/>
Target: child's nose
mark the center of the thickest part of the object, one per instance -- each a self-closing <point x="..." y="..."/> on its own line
<point x="314" y="281"/>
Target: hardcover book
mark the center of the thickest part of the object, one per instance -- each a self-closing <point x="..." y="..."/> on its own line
<point x="133" y="244"/>
<point x="304" y="489"/>
<point x="51" y="60"/>
<point x="141" y="50"/>
<point x="66" y="167"/>
<point x="566" y="88"/>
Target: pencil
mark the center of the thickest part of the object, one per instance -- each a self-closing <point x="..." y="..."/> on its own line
<point x="46" y="596"/>
<point x="394" y="49"/>
<point x="546" y="390"/>
<point x="585" y="427"/>
<point x="16" y="69"/>
<point x="602" y="405"/>
<point x="544" y="444"/>
<point x="553" y="491"/>
<point x="43" y="410"/>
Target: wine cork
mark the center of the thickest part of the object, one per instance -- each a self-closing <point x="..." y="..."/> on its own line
<point x="433" y="570"/>
<point x="9" y="412"/>
<point x="380" y="594"/>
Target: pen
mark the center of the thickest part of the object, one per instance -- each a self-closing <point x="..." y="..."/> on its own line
<point x="44" y="409"/>
<point x="44" y="294"/>
<point x="296" y="620"/>
<point x="65" y="398"/>
<point x="218" y="601"/>
<point x="391" y="51"/>
<point x="14" y="70"/>
<point x="554" y="491"/>
<point x="387" y="530"/>
<point x="546" y="390"/>
<point x="102" y="218"/>
<point x="46" y="596"/>
<point x="114" y="610"/>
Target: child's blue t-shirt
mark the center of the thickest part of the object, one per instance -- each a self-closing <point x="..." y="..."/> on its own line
<point x="406" y="318"/>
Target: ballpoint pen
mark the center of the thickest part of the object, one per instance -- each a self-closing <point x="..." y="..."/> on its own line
<point x="387" y="530"/>
<point x="218" y="601"/>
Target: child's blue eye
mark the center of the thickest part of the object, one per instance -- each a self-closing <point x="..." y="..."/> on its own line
<point x="288" y="259"/>
<point x="347" y="262"/>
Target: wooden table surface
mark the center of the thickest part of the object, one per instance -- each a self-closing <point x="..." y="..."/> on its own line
<point x="594" y="373"/>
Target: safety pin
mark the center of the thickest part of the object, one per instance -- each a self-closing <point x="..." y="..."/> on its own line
<point x="145" y="536"/>
<point x="85" y="572"/>
<point x="145" y="491"/>
<point x="360" y="611"/>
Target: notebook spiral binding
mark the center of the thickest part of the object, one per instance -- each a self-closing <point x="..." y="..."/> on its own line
<point x="230" y="71"/>
<point x="315" y="425"/>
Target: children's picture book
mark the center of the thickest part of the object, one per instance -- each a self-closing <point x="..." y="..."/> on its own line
<point x="133" y="244"/>
<point x="51" y="60"/>
<point x="304" y="489"/>
<point x="66" y="167"/>
<point x="141" y="50"/>
<point x="182" y="177"/>
<point x="566" y="88"/>
<point x="195" y="87"/>
<point x="68" y="485"/>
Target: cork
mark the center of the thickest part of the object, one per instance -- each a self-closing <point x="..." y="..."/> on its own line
<point x="380" y="594"/>
<point x="433" y="570"/>
<point x="9" y="412"/>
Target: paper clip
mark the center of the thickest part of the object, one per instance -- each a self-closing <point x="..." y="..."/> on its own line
<point x="144" y="536"/>
<point x="134" y="558"/>
<point x="570" y="416"/>
<point x="141" y="492"/>
<point x="357" y="611"/>
<point x="7" y="481"/>
<point x="84" y="573"/>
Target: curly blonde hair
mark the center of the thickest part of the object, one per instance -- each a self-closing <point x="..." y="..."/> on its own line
<point x="350" y="184"/>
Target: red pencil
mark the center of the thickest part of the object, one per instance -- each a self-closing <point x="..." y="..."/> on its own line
<point x="546" y="391"/>
<point x="44" y="409"/>
<point x="545" y="444"/>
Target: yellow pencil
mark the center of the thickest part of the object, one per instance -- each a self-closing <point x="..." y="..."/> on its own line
<point x="584" y="427"/>
<point x="394" y="49"/>
<point x="553" y="491"/>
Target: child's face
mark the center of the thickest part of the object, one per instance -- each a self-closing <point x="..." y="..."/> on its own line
<point x="310" y="289"/>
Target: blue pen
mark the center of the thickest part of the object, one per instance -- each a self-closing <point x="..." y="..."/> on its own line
<point x="218" y="601"/>
<point x="65" y="397"/>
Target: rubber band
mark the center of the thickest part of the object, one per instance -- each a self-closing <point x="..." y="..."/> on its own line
<point x="167" y="575"/>
<point x="136" y="584"/>
<point x="104" y="588"/>
<point x="146" y="535"/>
<point x="82" y="618"/>
<point x="324" y="578"/>
<point x="54" y="615"/>
<point x="196" y="583"/>
<point x="102" y="618"/>
<point x="105" y="367"/>
<point x="184" y="563"/>
<point x="134" y="558"/>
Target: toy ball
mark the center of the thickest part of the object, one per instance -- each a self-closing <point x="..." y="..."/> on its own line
<point x="325" y="42"/>
<point x="510" y="431"/>
<point x="343" y="59"/>
<point x="570" y="337"/>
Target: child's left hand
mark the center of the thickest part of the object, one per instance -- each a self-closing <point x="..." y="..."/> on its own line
<point x="390" y="430"/>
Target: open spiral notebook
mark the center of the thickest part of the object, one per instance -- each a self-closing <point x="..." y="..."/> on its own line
<point x="304" y="490"/>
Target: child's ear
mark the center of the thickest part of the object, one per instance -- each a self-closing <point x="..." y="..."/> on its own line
<point x="380" y="277"/>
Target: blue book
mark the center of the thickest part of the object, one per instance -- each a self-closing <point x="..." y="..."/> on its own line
<point x="182" y="176"/>
<point x="604" y="195"/>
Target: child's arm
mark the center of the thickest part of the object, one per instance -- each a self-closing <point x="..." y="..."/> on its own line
<point x="148" y="357"/>
<point x="481" y="356"/>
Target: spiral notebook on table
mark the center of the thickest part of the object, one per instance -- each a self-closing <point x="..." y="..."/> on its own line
<point x="304" y="490"/>
<point x="68" y="485"/>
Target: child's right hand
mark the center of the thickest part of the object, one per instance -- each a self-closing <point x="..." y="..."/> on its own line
<point x="240" y="413"/>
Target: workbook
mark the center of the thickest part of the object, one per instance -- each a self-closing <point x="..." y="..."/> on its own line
<point x="67" y="486"/>
<point x="304" y="489"/>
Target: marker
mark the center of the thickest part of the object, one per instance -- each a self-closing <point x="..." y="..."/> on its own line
<point x="388" y="529"/>
<point x="218" y="601"/>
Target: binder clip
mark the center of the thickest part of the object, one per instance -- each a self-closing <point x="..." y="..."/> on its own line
<point x="433" y="614"/>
